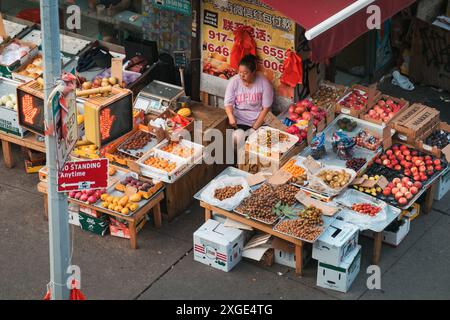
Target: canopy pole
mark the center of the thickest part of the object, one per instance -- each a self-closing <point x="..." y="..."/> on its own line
<point x="337" y="18"/>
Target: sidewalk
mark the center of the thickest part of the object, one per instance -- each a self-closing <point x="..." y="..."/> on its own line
<point x="163" y="266"/>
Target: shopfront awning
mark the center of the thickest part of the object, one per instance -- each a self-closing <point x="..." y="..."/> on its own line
<point x="331" y="25"/>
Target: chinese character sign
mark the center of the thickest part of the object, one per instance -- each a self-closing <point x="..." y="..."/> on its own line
<point x="274" y="34"/>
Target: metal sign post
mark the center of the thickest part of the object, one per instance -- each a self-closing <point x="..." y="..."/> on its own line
<point x="58" y="220"/>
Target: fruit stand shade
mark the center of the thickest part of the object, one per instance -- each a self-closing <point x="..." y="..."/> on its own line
<point x="332" y="25"/>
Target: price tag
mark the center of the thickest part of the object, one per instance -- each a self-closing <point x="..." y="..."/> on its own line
<point x="345" y="111"/>
<point x="129" y="191"/>
<point x="427" y="147"/>
<point x="358" y="181"/>
<point x="308" y="201"/>
<point x="382" y="182"/>
<point x="117" y="69"/>
<point x="312" y="165"/>
<point x="402" y="137"/>
<point x="255" y="179"/>
<point x="446" y="152"/>
<point x="280" y="177"/>
<point x="368" y="183"/>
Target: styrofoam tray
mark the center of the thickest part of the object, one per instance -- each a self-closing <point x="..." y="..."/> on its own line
<point x="352" y="196"/>
<point x="159" y="174"/>
<point x="279" y="147"/>
<point x="196" y="156"/>
<point x="69" y="45"/>
<point x="327" y="221"/>
<point x="134" y="153"/>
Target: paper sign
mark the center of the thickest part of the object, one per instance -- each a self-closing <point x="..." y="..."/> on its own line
<point x="117" y="69"/>
<point x="312" y="165"/>
<point x="358" y="181"/>
<point x="368" y="183"/>
<point x="382" y="182"/>
<point x="308" y="201"/>
<point x="272" y="121"/>
<point x="446" y="152"/>
<point x="255" y="179"/>
<point x="2" y="28"/>
<point x="129" y="191"/>
<point x="280" y="177"/>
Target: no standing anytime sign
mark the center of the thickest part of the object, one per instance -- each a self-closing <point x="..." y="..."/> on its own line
<point x="83" y="175"/>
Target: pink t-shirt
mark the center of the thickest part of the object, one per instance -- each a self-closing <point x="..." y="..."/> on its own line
<point x="248" y="102"/>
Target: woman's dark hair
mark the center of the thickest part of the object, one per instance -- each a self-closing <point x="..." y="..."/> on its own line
<point x="249" y="61"/>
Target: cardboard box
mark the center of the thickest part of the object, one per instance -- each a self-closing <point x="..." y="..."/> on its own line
<point x="30" y="167"/>
<point x="94" y="225"/>
<point x="351" y="111"/>
<point x="169" y="114"/>
<point x="392" y="238"/>
<point x="43" y="174"/>
<point x="330" y="108"/>
<point x="6" y="70"/>
<point x="443" y="185"/>
<point x="90" y="212"/>
<point x="336" y="243"/>
<point x="121" y="230"/>
<point x="285" y="253"/>
<point x="411" y="213"/>
<point x="413" y="122"/>
<point x="402" y="102"/>
<point x="74" y="214"/>
<point x="341" y="277"/>
<point x="9" y="122"/>
<point x="435" y="151"/>
<point x="218" y="246"/>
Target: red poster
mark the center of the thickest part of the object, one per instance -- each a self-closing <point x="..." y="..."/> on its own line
<point x="83" y="175"/>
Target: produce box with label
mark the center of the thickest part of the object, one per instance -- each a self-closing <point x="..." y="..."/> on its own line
<point x="412" y="123"/>
<point x="356" y="101"/>
<point x="9" y="118"/>
<point x="14" y="54"/>
<point x="385" y="109"/>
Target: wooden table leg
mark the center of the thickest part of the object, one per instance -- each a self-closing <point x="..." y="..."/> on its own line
<point x="377" y="244"/>
<point x="299" y="259"/>
<point x="157" y="215"/>
<point x="133" y="235"/>
<point x="7" y="154"/>
<point x="429" y="198"/>
<point x="208" y="214"/>
<point x="45" y="206"/>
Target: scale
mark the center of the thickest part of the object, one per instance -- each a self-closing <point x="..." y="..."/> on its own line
<point x="157" y="97"/>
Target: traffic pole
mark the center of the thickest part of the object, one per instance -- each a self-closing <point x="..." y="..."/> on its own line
<point x="58" y="219"/>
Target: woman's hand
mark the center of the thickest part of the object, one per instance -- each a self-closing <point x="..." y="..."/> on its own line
<point x="231" y="118"/>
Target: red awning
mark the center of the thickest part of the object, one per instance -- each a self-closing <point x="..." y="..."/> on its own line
<point x="311" y="13"/>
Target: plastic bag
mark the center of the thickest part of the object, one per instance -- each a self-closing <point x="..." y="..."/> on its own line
<point x="226" y="181"/>
<point x="318" y="184"/>
<point x="343" y="145"/>
<point x="244" y="44"/>
<point x="364" y="221"/>
<point x="318" y="146"/>
<point x="293" y="69"/>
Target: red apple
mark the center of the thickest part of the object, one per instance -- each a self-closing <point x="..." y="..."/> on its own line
<point x="402" y="201"/>
<point x="414" y="190"/>
<point x="394" y="191"/>
<point x="418" y="184"/>
<point x="438" y="168"/>
<point x="437" y="162"/>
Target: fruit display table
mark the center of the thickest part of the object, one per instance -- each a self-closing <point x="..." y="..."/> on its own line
<point x="261" y="227"/>
<point x="153" y="204"/>
<point x="179" y="195"/>
<point x="29" y="141"/>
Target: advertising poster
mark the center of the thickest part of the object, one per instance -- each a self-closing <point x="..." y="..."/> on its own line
<point x="274" y="34"/>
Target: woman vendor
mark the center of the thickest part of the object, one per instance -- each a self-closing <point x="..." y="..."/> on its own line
<point x="248" y="98"/>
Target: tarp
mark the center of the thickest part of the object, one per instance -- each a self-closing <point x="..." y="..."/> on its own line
<point x="311" y="13"/>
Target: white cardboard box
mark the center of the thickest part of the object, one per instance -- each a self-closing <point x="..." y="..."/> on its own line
<point x="392" y="238"/>
<point x="9" y="122"/>
<point x="218" y="246"/>
<point x="341" y="277"/>
<point x="74" y="217"/>
<point x="336" y="243"/>
<point x="443" y="185"/>
<point x="284" y="253"/>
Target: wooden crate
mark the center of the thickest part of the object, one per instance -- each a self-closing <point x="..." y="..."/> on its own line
<point x="402" y="102"/>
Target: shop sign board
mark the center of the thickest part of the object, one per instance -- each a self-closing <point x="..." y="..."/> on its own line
<point x="83" y="175"/>
<point x="180" y="6"/>
<point x="273" y="32"/>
